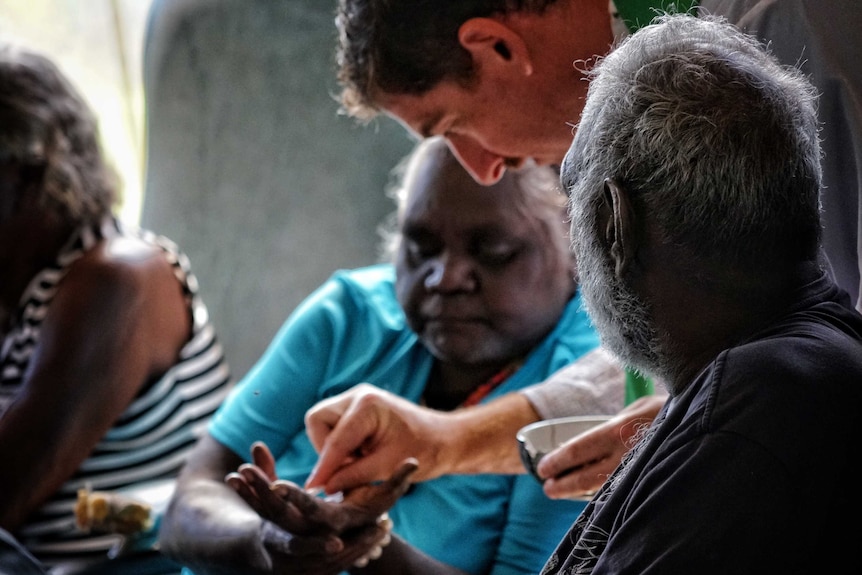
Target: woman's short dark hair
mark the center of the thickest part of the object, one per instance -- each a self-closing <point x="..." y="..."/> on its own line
<point x="47" y="129"/>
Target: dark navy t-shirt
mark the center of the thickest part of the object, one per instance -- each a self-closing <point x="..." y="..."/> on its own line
<point x="748" y="469"/>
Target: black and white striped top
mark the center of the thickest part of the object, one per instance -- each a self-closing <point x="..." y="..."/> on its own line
<point x="152" y="438"/>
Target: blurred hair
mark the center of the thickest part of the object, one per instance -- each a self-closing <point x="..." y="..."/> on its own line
<point x="711" y="136"/>
<point x="48" y="130"/>
<point x="407" y="47"/>
<point x="538" y="187"/>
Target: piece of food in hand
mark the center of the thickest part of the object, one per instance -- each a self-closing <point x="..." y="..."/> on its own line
<point x="107" y="512"/>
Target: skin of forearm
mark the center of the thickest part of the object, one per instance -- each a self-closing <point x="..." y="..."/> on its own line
<point x="400" y="558"/>
<point x="482" y="439"/>
<point x="213" y="531"/>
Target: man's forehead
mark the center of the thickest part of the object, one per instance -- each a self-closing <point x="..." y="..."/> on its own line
<point x="413" y="112"/>
<point x="430" y="113"/>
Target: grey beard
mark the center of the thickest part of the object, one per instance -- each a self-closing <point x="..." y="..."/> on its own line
<point x="623" y="321"/>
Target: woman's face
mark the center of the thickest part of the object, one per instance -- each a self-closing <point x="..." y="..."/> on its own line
<point x="483" y="273"/>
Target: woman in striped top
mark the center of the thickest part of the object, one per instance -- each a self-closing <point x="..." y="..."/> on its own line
<point x="109" y="367"/>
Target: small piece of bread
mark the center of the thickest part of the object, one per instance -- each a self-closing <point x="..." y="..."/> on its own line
<point x="107" y="512"/>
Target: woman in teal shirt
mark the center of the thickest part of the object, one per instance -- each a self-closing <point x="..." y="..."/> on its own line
<point x="481" y="301"/>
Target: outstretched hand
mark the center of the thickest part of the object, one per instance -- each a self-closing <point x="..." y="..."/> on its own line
<point x="365" y="430"/>
<point x="302" y="512"/>
<point x="581" y="465"/>
<point x="329" y="534"/>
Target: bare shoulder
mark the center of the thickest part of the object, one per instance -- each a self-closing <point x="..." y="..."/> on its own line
<point x="126" y="285"/>
<point x="125" y="264"/>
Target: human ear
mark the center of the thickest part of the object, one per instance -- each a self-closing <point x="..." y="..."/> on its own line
<point x="492" y="43"/>
<point x="618" y="219"/>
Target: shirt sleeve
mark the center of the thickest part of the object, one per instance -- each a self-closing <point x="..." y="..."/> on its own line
<point x="270" y="402"/>
<point x="594" y="384"/>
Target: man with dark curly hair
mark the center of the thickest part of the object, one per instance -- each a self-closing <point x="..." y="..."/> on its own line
<point x="505" y="81"/>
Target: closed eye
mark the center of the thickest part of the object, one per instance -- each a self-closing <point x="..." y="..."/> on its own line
<point x="420" y="247"/>
<point x="496" y="254"/>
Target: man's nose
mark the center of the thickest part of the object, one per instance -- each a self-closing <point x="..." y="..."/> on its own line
<point x="485" y="167"/>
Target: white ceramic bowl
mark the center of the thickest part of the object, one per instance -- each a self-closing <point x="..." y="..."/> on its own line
<point x="537" y="439"/>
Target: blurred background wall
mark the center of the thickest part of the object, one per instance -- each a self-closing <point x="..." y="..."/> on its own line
<point x="221" y="116"/>
<point x="250" y="168"/>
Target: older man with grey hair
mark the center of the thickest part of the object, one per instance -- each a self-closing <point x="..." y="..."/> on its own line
<point x="694" y="179"/>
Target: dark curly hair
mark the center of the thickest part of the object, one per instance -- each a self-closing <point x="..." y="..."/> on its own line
<point x="47" y="129"/>
<point x="406" y="46"/>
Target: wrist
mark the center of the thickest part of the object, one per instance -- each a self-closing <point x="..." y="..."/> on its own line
<point x="385" y="523"/>
<point x="482" y="439"/>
